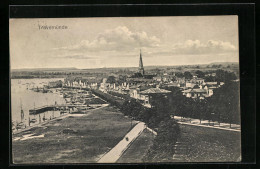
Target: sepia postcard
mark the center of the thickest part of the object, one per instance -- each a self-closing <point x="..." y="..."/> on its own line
<point x="125" y="90"/>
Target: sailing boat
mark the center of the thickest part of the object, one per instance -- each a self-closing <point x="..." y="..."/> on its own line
<point x="33" y="120"/>
<point x="44" y="118"/>
<point x="21" y="124"/>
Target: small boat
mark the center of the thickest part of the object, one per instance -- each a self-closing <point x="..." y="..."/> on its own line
<point x="20" y="125"/>
<point x="62" y="112"/>
<point x="44" y="118"/>
<point x="34" y="120"/>
<point x="44" y="91"/>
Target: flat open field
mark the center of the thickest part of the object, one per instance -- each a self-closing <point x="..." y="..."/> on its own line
<point x="209" y="145"/>
<point x="81" y="139"/>
<point x="138" y="149"/>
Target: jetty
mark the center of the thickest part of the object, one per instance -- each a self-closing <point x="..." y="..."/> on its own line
<point x="60" y="107"/>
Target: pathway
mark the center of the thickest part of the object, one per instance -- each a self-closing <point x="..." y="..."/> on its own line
<point x="205" y="123"/>
<point x="115" y="153"/>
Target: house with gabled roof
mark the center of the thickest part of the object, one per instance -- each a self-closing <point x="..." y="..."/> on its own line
<point x="146" y="95"/>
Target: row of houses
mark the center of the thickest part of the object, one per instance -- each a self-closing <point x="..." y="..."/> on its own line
<point x="193" y="88"/>
<point x="143" y="89"/>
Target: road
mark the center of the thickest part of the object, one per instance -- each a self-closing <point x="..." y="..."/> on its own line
<point x="115" y="153"/>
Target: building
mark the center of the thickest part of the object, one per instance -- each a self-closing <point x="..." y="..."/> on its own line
<point x="195" y="93"/>
<point x="157" y="78"/>
<point x="135" y="91"/>
<point x="145" y="93"/>
<point x="198" y="92"/>
<point x="141" y="66"/>
<point x="148" y="94"/>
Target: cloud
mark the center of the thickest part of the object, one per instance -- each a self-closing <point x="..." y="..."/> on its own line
<point x="122" y="42"/>
<point x="118" y="39"/>
<point x="196" y="47"/>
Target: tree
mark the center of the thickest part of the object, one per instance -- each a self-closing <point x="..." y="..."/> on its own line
<point x="179" y="74"/>
<point x="111" y="79"/>
<point x="210" y="79"/>
<point x="145" y="115"/>
<point x="224" y="76"/>
<point x="176" y="100"/>
<point x="202" y="109"/>
<point x="187" y="75"/>
<point x="225" y="103"/>
<point x="131" y="108"/>
<point x="121" y="79"/>
<point x="200" y="74"/>
<point x="160" y="109"/>
<point x="179" y="68"/>
<point x="137" y="75"/>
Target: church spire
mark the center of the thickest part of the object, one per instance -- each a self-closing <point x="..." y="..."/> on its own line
<point x="141" y="67"/>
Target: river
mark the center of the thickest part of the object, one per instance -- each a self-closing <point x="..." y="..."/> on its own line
<point x="25" y="99"/>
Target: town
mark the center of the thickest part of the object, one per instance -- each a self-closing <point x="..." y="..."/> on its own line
<point x="141" y="85"/>
<point x="125" y="90"/>
<point x="153" y="97"/>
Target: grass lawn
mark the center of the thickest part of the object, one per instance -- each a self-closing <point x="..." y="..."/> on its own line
<point x="210" y="145"/>
<point x="73" y="139"/>
<point x="138" y="149"/>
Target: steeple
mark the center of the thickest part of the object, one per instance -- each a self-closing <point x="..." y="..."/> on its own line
<point x="141" y="67"/>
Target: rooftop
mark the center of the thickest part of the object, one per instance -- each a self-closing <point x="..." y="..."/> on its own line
<point x="195" y="91"/>
<point x="155" y="90"/>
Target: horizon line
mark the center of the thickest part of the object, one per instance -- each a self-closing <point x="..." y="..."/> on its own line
<point x="120" y="67"/>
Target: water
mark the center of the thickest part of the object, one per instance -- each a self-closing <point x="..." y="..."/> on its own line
<point x="26" y="99"/>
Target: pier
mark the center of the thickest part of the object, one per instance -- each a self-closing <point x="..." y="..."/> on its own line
<point x="59" y="107"/>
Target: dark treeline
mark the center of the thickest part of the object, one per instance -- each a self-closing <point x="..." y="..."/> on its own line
<point x="223" y="106"/>
<point x="123" y="96"/>
<point x="220" y="75"/>
<point x="109" y="98"/>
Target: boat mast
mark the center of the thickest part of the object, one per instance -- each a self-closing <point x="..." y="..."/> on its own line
<point x="22" y="113"/>
<point x="34" y="109"/>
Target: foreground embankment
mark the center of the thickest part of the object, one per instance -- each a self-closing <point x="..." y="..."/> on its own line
<point x="74" y="139"/>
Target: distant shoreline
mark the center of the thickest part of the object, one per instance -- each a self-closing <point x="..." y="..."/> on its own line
<point x="36" y="77"/>
<point x="133" y="67"/>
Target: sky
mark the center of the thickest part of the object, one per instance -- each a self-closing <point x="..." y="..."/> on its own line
<point x="116" y="42"/>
